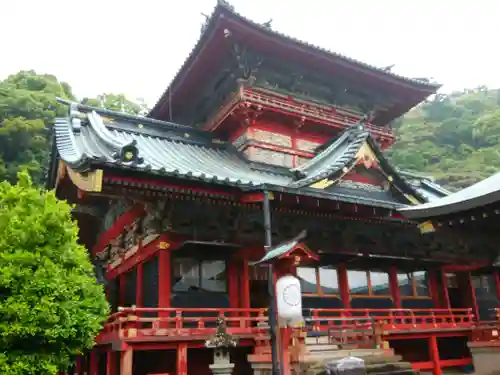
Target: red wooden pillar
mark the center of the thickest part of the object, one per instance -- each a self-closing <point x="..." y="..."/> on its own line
<point x="444" y="282"/>
<point x="472" y="291"/>
<point x="393" y="282"/>
<point x="232" y="271"/>
<point x="164" y="278"/>
<point x="245" y="285"/>
<point x="93" y="365"/>
<point x="181" y="359"/>
<point x="434" y="288"/>
<point x="78" y="366"/>
<point x="164" y="284"/>
<point x="285" y="344"/>
<point x="126" y="362"/>
<point x="434" y="354"/>
<point x="345" y="295"/>
<point x="138" y="285"/>
<point x="110" y="363"/>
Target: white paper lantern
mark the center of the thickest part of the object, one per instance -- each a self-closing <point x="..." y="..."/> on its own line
<point x="289" y="300"/>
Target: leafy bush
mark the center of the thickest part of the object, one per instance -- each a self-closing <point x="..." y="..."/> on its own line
<point x="51" y="306"/>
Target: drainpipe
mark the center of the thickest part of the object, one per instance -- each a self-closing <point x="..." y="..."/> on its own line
<point x="273" y="324"/>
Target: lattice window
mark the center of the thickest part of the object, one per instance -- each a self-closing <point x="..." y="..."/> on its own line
<point x="321" y="281"/>
<point x="413" y="284"/>
<point x="191" y="274"/>
<point x="484" y="286"/>
<point x="368" y="283"/>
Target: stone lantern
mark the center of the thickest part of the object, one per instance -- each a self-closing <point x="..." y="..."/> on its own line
<point x="221" y="342"/>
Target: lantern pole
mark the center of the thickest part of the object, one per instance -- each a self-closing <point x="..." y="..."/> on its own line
<point x="276" y="368"/>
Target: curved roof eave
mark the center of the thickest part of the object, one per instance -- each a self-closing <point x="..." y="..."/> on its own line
<point x="480" y="194"/>
<point x="222" y="8"/>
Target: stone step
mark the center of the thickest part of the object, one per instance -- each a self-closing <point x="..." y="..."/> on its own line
<point x="401" y="368"/>
<point x="369" y="357"/>
<point x="396" y="372"/>
<point x="382" y="359"/>
<point x="387" y="367"/>
<point x="361" y="353"/>
<point x="317" y="340"/>
<point x="321" y="347"/>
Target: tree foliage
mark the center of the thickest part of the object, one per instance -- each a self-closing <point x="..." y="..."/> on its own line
<point x="28" y="108"/>
<point x="455" y="138"/>
<point x="50" y="303"/>
<point x="118" y="102"/>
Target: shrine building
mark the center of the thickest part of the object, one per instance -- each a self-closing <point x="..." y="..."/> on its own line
<point x="267" y="153"/>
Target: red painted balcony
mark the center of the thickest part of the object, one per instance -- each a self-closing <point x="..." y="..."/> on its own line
<point x="329" y="115"/>
<point x="392" y="320"/>
<point x="191" y="324"/>
<point x="180" y="324"/>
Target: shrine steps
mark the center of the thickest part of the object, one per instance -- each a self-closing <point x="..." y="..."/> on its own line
<point x="375" y="365"/>
<point x="377" y="361"/>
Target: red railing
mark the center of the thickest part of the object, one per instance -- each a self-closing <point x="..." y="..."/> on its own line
<point x="328" y="115"/>
<point x="390" y="320"/>
<point x="195" y="323"/>
<point x="132" y="322"/>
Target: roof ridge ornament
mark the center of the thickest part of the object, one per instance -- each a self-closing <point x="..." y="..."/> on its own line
<point x="125" y="151"/>
<point x="225" y="4"/>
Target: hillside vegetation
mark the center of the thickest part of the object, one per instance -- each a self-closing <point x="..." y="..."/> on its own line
<point x="28" y="108"/>
<point x="455" y="138"/>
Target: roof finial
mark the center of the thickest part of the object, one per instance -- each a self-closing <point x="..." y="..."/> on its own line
<point x="225" y="4"/>
<point x="388" y="68"/>
<point x="267" y="24"/>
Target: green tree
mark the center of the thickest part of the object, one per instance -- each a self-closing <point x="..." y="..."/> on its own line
<point x="118" y="102"/>
<point x="27" y="110"/>
<point x="454" y="137"/>
<point x="50" y="303"/>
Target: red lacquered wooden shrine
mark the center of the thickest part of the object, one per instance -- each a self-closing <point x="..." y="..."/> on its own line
<point x="173" y="214"/>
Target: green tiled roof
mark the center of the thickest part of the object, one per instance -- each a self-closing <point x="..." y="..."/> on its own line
<point x="278" y="251"/>
<point x="94" y="138"/>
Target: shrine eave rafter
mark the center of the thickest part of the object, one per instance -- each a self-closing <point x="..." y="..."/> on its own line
<point x="481" y="194"/>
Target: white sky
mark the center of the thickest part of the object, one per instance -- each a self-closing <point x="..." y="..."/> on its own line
<point x="136" y="47"/>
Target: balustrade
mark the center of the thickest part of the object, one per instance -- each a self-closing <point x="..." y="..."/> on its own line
<point x="197" y="324"/>
<point x="332" y="116"/>
<point x="395" y="319"/>
<point x="131" y="322"/>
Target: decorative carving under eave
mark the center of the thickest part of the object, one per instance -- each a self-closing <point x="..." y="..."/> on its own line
<point x="155" y="222"/>
<point x="141" y="232"/>
<point x="246" y="114"/>
<point x="247" y="62"/>
<point x="131" y="238"/>
<point x="116" y="251"/>
<point x="90" y="181"/>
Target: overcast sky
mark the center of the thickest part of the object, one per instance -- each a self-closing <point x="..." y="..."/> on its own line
<point x="136" y="47"/>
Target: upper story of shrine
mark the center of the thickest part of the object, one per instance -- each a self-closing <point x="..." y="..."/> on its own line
<point x="277" y="98"/>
